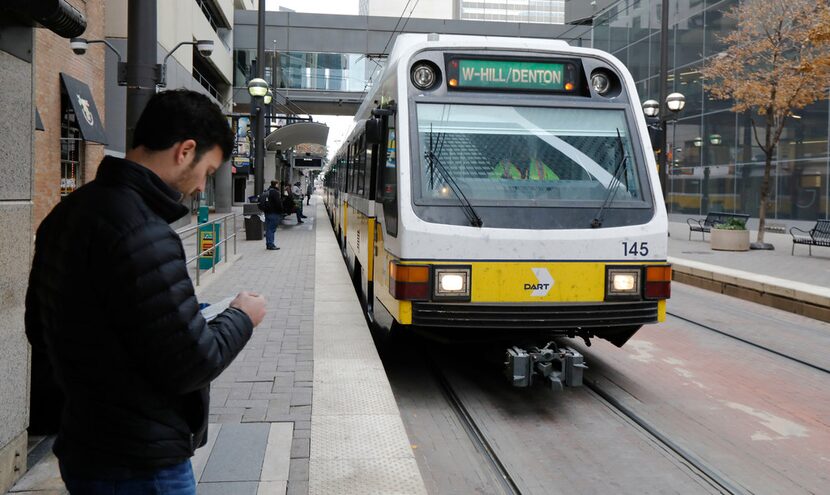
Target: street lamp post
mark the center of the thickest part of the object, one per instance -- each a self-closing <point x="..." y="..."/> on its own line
<point x="662" y="171"/>
<point x="656" y="121"/>
<point x="675" y="102"/>
<point x="258" y="89"/>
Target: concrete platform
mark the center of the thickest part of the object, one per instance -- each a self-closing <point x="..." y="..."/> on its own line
<point x="796" y="283"/>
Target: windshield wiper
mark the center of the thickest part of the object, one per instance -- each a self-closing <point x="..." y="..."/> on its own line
<point x="614" y="184"/>
<point x="471" y="214"/>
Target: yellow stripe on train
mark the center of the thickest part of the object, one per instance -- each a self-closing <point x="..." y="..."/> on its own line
<point x="521" y="282"/>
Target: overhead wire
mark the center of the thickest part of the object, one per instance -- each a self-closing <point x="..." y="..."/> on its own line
<point x="391" y="35"/>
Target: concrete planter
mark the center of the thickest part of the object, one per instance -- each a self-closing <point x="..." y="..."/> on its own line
<point x="729" y="240"/>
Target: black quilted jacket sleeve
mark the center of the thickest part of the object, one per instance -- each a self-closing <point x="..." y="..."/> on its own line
<point x="163" y="330"/>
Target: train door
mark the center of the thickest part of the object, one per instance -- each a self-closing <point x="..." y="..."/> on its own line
<point x="384" y="306"/>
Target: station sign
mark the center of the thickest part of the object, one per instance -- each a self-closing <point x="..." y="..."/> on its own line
<point x="308" y="162"/>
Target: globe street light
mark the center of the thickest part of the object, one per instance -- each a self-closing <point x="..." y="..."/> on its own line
<point x="257" y="87"/>
<point x="675" y="102"/>
<point x="651" y="108"/>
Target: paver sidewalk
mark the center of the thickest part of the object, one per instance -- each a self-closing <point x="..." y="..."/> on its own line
<point x="260" y="411"/>
<point x="261" y="405"/>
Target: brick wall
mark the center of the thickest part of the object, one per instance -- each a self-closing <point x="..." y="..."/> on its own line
<point x="53" y="56"/>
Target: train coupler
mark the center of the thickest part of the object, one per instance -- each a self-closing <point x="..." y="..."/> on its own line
<point x="561" y="367"/>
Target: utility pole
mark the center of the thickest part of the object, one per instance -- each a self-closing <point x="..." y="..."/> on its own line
<point x="664" y="75"/>
<point x="259" y="138"/>
<point x="142" y="66"/>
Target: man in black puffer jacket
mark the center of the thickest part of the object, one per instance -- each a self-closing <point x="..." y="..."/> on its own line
<point x="111" y="308"/>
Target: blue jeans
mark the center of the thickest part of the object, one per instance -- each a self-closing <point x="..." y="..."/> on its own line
<point x="271" y="222"/>
<point x="172" y="480"/>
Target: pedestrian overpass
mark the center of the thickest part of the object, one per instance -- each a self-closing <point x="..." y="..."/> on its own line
<point x="323" y="64"/>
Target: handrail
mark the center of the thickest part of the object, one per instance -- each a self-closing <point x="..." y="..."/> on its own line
<point x="213" y="250"/>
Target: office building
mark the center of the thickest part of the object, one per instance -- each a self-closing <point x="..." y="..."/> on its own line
<point x="715" y="162"/>
<point x="523" y="11"/>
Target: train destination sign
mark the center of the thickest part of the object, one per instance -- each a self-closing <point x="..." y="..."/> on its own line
<point x="522" y="75"/>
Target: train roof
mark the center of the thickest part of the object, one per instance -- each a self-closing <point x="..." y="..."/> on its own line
<point x="406" y="43"/>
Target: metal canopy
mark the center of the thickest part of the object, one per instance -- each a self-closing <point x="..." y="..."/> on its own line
<point x="291" y="135"/>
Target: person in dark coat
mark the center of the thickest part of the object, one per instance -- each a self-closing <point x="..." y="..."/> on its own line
<point x="111" y="309"/>
<point x="273" y="215"/>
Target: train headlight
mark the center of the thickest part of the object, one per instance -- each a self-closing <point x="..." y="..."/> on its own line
<point x="424" y="75"/>
<point x="622" y="283"/>
<point x="452" y="283"/>
<point x="600" y="83"/>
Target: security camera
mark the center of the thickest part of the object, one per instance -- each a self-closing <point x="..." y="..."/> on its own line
<point x="79" y="45"/>
<point x="205" y="47"/>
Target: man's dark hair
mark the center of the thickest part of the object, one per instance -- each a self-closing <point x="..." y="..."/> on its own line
<point x="171" y="117"/>
<point x="274" y="183"/>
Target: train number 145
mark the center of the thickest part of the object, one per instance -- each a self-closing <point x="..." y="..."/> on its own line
<point x="635" y="248"/>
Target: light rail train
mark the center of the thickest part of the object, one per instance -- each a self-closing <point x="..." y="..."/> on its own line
<point x="502" y="189"/>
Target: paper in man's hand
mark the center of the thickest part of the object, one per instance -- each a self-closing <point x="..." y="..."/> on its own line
<point x="212" y="311"/>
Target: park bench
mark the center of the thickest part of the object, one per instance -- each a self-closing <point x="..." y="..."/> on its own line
<point x="712" y="218"/>
<point x="817" y="236"/>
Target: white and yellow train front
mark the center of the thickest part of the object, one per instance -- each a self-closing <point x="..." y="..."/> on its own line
<point x="506" y="188"/>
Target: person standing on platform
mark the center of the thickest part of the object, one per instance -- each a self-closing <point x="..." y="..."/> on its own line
<point x="273" y="215"/>
<point x="298" y="199"/>
<point x="308" y="190"/>
<point x="111" y="309"/>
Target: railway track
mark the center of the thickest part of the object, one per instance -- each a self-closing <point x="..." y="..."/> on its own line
<point x="748" y="342"/>
<point x="474" y="433"/>
<point x="709" y="475"/>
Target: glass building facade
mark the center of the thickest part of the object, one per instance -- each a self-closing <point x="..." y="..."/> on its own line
<point x="305" y="70"/>
<point x="536" y="11"/>
<point x="714" y="161"/>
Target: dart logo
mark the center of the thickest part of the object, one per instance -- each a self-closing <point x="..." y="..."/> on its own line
<point x="545" y="282"/>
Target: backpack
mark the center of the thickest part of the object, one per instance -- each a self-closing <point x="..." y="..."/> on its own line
<point x="263" y="202"/>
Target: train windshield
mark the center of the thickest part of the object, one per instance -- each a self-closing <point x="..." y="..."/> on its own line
<point x="541" y="155"/>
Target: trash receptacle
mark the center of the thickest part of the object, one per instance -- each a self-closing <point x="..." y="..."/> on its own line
<point x="253" y="223"/>
<point x="253" y="228"/>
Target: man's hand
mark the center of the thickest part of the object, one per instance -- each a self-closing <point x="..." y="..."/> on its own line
<point x="252" y="304"/>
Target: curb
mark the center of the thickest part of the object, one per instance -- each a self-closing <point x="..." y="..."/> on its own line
<point x="795" y="297"/>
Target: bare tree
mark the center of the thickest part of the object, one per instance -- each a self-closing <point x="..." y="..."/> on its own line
<point x="777" y="60"/>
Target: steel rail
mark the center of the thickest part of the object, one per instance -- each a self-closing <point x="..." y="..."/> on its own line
<point x="753" y="344"/>
<point x="708" y="474"/>
<point x="473" y="432"/>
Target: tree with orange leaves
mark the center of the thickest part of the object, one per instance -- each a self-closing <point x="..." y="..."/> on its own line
<point x="777" y="60"/>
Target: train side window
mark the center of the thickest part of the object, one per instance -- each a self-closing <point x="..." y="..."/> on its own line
<point x="390" y="180"/>
<point x="379" y="163"/>
<point x="355" y="164"/>
<point x="361" y="167"/>
<point x="371" y="167"/>
<point x="347" y="167"/>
